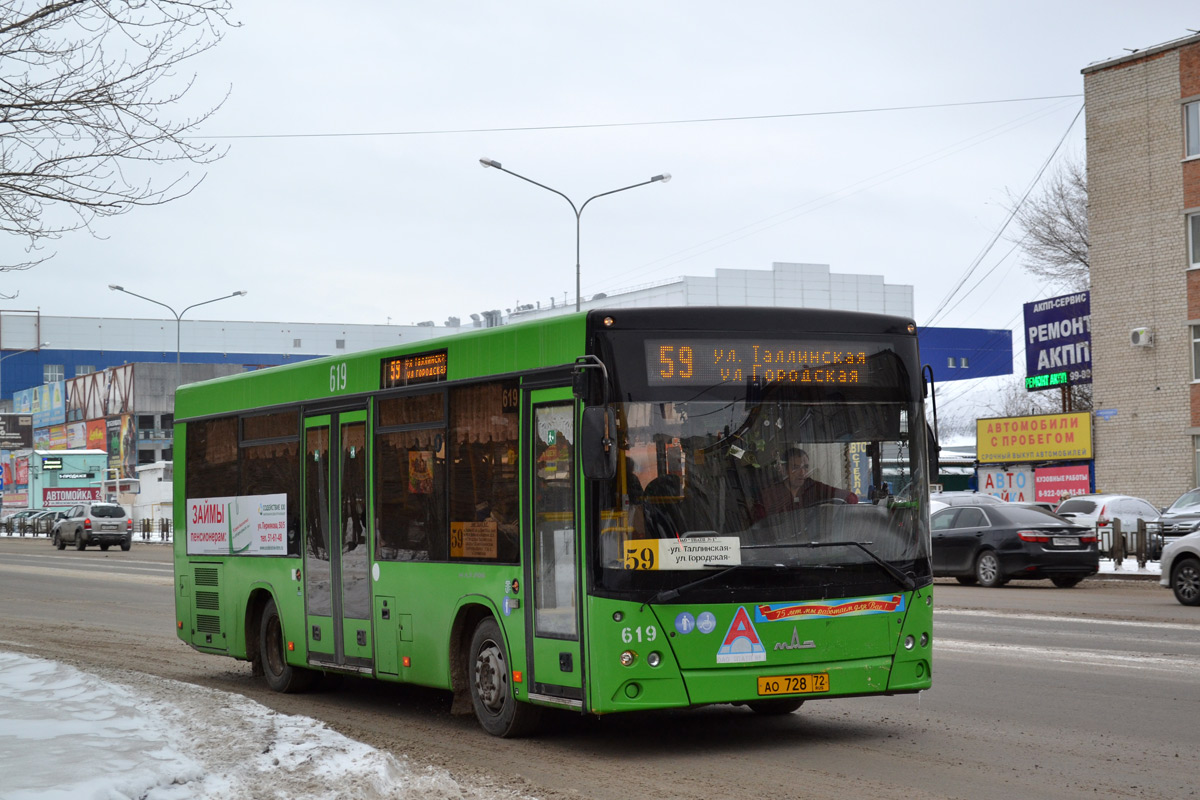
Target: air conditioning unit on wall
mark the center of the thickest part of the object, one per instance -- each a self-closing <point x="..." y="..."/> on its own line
<point x="1141" y="337"/>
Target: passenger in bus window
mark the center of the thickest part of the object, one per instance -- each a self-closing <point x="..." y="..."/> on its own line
<point x="799" y="489"/>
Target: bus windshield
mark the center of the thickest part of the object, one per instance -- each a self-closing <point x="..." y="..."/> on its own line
<point x="811" y="490"/>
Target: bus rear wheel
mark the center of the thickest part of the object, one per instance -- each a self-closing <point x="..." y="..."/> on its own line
<point x="281" y="676"/>
<point x="498" y="712"/>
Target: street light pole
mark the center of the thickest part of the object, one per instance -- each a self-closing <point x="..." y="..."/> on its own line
<point x="10" y="355"/>
<point x="178" y="321"/>
<point x="487" y="162"/>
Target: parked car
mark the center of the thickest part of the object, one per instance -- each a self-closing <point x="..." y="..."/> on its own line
<point x="104" y="524"/>
<point x="965" y="498"/>
<point x="1181" y="568"/>
<point x="15" y="522"/>
<point x="1181" y="517"/>
<point x="991" y="544"/>
<point x="44" y="521"/>
<point x="1099" y="510"/>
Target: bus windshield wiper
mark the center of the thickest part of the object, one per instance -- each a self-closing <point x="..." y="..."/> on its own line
<point x="903" y="579"/>
<point x="670" y="594"/>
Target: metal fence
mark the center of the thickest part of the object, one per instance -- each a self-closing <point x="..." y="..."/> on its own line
<point x="1143" y="544"/>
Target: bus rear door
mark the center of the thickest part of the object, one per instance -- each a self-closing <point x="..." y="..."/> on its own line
<point x="551" y="555"/>
<point x="337" y="588"/>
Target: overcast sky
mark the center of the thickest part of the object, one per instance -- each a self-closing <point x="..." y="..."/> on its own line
<point x="409" y="227"/>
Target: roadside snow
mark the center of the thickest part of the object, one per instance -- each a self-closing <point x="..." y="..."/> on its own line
<point x="68" y="734"/>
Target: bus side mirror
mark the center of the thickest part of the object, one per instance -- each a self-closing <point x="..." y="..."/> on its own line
<point x="935" y="450"/>
<point x="598" y="444"/>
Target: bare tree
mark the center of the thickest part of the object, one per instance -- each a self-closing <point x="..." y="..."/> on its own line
<point x="87" y="91"/>
<point x="1054" y="228"/>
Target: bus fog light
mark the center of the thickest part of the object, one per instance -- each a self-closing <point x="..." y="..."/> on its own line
<point x="909" y="641"/>
<point x="924" y="639"/>
<point x="654" y="659"/>
<point x="627" y="658"/>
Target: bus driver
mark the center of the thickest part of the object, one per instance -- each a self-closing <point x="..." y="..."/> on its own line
<point x="799" y="489"/>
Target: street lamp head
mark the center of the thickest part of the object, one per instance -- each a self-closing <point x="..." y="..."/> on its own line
<point x="116" y="288"/>
<point x="665" y="178"/>
<point x="239" y="293"/>
<point x="487" y="162"/>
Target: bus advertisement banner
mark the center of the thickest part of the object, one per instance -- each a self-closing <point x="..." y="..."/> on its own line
<point x="254" y="525"/>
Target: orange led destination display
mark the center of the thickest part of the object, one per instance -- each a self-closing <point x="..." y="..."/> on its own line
<point x="703" y="362"/>
<point x="408" y="370"/>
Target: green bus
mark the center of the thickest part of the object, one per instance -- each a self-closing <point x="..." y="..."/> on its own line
<point x="605" y="511"/>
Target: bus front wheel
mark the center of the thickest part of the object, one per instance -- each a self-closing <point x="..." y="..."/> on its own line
<point x="281" y="676"/>
<point x="498" y="712"/>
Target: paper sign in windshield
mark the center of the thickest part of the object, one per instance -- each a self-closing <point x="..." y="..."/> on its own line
<point x="694" y="552"/>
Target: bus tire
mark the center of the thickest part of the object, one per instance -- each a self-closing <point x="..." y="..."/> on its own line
<point x="281" y="676"/>
<point x="775" y="708"/>
<point x="498" y="712"/>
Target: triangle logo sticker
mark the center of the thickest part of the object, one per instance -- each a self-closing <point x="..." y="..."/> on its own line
<point x="741" y="644"/>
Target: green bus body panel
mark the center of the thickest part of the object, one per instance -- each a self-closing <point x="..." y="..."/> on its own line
<point x="492" y="351"/>
<point x="862" y="654"/>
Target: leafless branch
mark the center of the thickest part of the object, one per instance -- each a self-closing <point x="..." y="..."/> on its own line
<point x="1054" y="228"/>
<point x="87" y="94"/>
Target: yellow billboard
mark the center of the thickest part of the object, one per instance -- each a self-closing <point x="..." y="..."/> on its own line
<point x="1046" y="437"/>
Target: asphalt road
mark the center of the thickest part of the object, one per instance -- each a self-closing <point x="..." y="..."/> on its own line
<point x="1038" y="692"/>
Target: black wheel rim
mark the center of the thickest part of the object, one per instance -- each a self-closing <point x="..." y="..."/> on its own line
<point x="1187" y="583"/>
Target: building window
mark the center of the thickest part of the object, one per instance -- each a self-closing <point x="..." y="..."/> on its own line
<point x="1191" y="129"/>
<point x="52" y="373"/>
<point x="340" y="344"/>
<point x="962" y="362"/>
<point x="295" y="342"/>
<point x="1196" y="352"/>
<point x="950" y="362"/>
<point x="1194" y="240"/>
<point x="84" y="369"/>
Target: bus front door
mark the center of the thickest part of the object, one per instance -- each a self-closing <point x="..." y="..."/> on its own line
<point x="337" y="591"/>
<point x="551" y="564"/>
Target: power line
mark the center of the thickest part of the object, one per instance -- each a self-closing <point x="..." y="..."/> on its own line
<point x="979" y="259"/>
<point x="759" y="226"/>
<point x="645" y="123"/>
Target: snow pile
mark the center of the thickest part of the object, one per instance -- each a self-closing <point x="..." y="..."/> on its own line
<point x="67" y="734"/>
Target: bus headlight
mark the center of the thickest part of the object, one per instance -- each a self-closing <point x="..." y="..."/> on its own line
<point x="627" y="658"/>
<point x="909" y="641"/>
<point x="654" y="659"/>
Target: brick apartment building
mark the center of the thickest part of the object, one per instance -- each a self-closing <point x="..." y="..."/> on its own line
<point x="1143" y="170"/>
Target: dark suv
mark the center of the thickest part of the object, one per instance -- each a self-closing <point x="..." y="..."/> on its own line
<point x="104" y="524"/>
<point x="1182" y="517"/>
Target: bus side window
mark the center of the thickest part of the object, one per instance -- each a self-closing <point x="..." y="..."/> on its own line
<point x="410" y="478"/>
<point x="483" y="475"/>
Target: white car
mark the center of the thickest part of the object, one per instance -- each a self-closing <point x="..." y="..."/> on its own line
<point x="1181" y="569"/>
<point x="1099" y="510"/>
